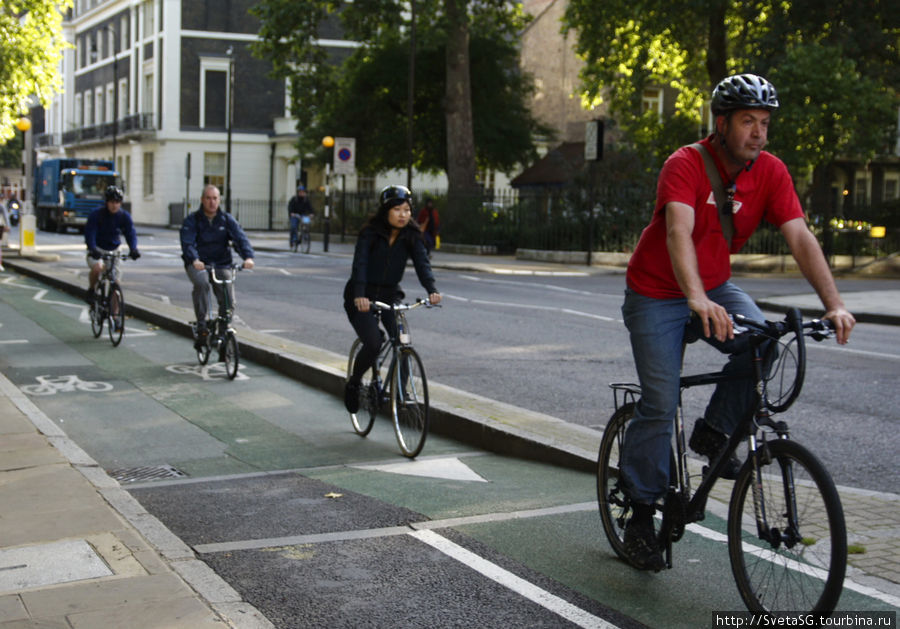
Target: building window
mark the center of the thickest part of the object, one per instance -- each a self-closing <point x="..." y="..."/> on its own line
<point x="862" y="191"/>
<point x="214" y="92"/>
<point x="652" y="100"/>
<point x="79" y="110"/>
<point x="98" y="106"/>
<point x="147" y="18"/>
<point x="214" y="169"/>
<point x="123" y="98"/>
<point x="147" y="96"/>
<point x="148" y="175"/>
<point x="110" y="103"/>
<point x="88" y="109"/>
<point x="891" y="189"/>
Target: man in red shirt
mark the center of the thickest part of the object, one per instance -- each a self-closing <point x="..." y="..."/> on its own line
<point x="681" y="269"/>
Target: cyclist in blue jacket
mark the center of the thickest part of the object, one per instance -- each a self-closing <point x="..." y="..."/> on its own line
<point x="101" y="235"/>
<point x="205" y="238"/>
<point x="384" y="245"/>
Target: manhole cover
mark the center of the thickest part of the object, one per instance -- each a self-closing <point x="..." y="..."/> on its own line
<point x="152" y="472"/>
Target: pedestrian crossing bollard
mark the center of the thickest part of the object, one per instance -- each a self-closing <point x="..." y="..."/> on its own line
<point x="26" y="235"/>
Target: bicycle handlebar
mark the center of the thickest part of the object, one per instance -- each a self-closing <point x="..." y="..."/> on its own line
<point x="211" y="271"/>
<point x="817" y="329"/>
<point x="380" y="305"/>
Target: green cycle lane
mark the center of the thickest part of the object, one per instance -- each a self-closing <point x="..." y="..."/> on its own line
<point x="148" y="404"/>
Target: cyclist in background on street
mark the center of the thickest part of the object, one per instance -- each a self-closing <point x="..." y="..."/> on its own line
<point x="385" y="243"/>
<point x="101" y="235"/>
<point x="680" y="269"/>
<point x="430" y="221"/>
<point x="205" y="238"/>
<point x="298" y="206"/>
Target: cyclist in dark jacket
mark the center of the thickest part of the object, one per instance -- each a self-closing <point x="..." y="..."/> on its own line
<point x="384" y="245"/>
<point x="205" y="238"/>
<point x="101" y="234"/>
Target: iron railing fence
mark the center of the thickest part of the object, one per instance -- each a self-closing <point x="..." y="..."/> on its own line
<point x="558" y="219"/>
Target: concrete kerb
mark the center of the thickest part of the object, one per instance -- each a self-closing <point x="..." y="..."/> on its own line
<point x="476" y="420"/>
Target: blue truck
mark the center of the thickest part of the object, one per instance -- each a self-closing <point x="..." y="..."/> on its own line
<point x="66" y="190"/>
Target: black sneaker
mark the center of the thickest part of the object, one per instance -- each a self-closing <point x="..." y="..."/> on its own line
<point x="351" y="396"/>
<point x="642" y="547"/>
<point x="709" y="442"/>
<point x="200" y="341"/>
<point x="89" y="297"/>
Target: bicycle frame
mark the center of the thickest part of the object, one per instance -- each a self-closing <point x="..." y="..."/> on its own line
<point x="759" y="415"/>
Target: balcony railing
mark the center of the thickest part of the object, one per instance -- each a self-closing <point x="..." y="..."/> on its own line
<point x="128" y="126"/>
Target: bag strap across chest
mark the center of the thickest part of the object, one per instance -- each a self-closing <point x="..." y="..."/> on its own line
<point x="724" y="200"/>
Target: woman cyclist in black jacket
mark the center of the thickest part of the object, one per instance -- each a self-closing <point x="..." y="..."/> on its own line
<point x="384" y="245"/>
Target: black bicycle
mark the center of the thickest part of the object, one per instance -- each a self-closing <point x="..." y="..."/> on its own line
<point x="787" y="539"/>
<point x="220" y="336"/>
<point x="300" y="235"/>
<point x="397" y="377"/>
<point x="108" y="302"/>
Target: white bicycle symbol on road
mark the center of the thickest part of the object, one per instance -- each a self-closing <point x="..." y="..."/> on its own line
<point x="51" y="385"/>
<point x="215" y="371"/>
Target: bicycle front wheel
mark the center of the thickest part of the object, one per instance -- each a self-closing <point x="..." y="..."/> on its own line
<point x="409" y="402"/>
<point x="229" y="355"/>
<point x="96" y="313"/>
<point x="789" y="551"/>
<point x="116" y="325"/>
<point x="615" y="508"/>
<point x="305" y="241"/>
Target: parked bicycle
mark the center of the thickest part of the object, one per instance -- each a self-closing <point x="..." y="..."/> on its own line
<point x="787" y="538"/>
<point x="220" y="336"/>
<point x="108" y="303"/>
<point x="397" y="377"/>
<point x="301" y="237"/>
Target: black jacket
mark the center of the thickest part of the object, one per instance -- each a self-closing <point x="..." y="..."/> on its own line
<point x="207" y="241"/>
<point x="378" y="266"/>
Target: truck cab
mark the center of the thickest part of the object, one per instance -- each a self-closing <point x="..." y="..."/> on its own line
<point x="68" y="190"/>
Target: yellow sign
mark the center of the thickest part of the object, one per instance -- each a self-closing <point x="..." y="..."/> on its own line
<point x="878" y="231"/>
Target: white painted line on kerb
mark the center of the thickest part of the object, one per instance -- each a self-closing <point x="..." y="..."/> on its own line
<point x="507" y="579"/>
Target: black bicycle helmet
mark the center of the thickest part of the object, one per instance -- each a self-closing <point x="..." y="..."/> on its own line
<point x="113" y="193"/>
<point x="394" y="195"/>
<point x="743" y="91"/>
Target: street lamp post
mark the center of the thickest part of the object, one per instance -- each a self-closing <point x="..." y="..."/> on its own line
<point x="327" y="142"/>
<point x="230" y="53"/>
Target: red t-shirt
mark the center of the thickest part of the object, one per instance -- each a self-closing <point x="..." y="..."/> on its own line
<point x="766" y="191"/>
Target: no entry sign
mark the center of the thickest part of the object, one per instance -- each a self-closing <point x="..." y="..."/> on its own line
<point x="344" y="156"/>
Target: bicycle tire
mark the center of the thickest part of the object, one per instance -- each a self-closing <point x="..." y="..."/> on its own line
<point x="364" y="418"/>
<point x="116" y="314"/>
<point x="409" y="402"/>
<point x="615" y="507"/>
<point x="96" y="312"/>
<point x="203" y="353"/>
<point x="305" y="241"/>
<point x="229" y="355"/>
<point x="803" y="570"/>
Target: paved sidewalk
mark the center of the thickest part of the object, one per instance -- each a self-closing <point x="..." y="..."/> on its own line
<point x="78" y="552"/>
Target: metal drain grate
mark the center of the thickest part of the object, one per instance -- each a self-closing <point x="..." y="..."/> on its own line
<point x="152" y="472"/>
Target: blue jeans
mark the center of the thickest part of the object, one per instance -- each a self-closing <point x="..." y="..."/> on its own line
<point x="295" y="224"/>
<point x="657" y="330"/>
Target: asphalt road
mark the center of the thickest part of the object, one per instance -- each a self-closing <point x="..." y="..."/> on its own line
<point x="552" y="343"/>
<point x="314" y="526"/>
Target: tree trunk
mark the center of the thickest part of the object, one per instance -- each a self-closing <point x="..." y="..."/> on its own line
<point x="460" y="133"/>
<point x="717" y="45"/>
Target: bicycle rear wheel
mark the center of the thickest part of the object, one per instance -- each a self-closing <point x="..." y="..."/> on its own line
<point x="363" y="419"/>
<point x="96" y="312"/>
<point x="116" y="324"/>
<point x="229" y="355"/>
<point x="615" y="507"/>
<point x="409" y="402"/>
<point x="792" y="562"/>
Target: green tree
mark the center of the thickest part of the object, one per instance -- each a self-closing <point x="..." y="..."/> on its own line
<point x="835" y="66"/>
<point x="469" y="103"/>
<point x="31" y="45"/>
